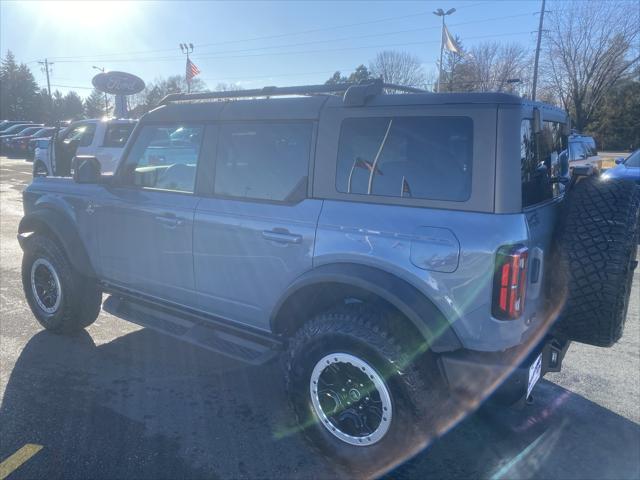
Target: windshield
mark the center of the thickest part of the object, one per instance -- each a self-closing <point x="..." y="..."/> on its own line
<point x="14" y="129"/>
<point x="30" y="131"/>
<point x="633" y="160"/>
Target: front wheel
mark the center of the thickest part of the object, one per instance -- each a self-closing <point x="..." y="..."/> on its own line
<point x="361" y="396"/>
<point x="61" y="299"/>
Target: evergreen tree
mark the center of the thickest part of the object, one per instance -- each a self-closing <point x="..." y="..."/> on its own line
<point x="360" y="73"/>
<point x="72" y="106"/>
<point x="94" y="105"/>
<point x="19" y="98"/>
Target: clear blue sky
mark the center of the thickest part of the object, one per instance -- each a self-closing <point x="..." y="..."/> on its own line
<point x="249" y="43"/>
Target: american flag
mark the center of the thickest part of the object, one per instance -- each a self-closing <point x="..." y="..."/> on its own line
<point x="192" y="70"/>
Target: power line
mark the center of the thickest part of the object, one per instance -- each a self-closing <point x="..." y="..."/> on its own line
<point x="66" y="59"/>
<point x="299" y="52"/>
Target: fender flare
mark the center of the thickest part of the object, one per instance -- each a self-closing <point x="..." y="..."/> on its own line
<point x="413" y="304"/>
<point x="65" y="232"/>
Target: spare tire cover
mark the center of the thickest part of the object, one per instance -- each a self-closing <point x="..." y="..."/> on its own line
<point x="594" y="257"/>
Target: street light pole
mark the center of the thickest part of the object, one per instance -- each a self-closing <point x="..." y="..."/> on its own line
<point x="441" y="13"/>
<point x="535" y="62"/>
<point x="106" y="100"/>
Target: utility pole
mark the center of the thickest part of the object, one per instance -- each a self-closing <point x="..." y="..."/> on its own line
<point x="106" y="99"/>
<point x="187" y="48"/>
<point x="441" y="13"/>
<point x="535" y="63"/>
<point x="46" y="69"/>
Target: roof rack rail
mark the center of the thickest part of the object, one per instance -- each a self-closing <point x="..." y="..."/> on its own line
<point x="354" y="93"/>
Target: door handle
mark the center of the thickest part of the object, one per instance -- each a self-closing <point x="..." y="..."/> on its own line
<point x="281" y="236"/>
<point x="170" y="220"/>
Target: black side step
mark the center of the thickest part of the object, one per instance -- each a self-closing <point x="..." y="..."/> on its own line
<point x="248" y="348"/>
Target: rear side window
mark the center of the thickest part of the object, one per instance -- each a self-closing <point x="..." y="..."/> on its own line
<point x="117" y="135"/>
<point x="263" y="161"/>
<point x="164" y="157"/>
<point x="413" y="157"/>
<point x="540" y="161"/>
<point x="83" y="134"/>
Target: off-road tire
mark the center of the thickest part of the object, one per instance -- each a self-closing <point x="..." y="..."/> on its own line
<point x="80" y="296"/>
<point x="410" y="376"/>
<point x="595" y="255"/>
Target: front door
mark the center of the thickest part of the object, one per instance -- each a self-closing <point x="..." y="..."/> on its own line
<point x="146" y="219"/>
<point x="256" y="233"/>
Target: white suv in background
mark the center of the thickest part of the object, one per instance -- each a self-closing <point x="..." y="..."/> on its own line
<point x="103" y="139"/>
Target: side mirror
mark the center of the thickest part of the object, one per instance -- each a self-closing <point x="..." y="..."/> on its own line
<point x="86" y="169"/>
<point x="566" y="127"/>
<point x="619" y="160"/>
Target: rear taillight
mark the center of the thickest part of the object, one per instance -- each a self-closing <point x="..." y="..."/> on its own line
<point x="510" y="282"/>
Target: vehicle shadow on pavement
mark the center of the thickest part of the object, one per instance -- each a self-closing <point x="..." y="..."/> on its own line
<point x="561" y="436"/>
<point x="148" y="406"/>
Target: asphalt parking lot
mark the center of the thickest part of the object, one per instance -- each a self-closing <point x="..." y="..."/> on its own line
<point x="123" y="402"/>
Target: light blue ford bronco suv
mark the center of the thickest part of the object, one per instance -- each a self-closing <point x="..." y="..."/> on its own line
<point x="405" y="253"/>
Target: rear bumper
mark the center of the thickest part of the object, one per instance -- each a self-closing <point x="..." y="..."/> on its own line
<point x="474" y="375"/>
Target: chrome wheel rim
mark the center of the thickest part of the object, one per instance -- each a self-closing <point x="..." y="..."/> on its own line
<point x="350" y="399"/>
<point x="45" y="285"/>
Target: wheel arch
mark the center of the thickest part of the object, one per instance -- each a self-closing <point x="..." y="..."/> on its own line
<point x="62" y="229"/>
<point x="328" y="285"/>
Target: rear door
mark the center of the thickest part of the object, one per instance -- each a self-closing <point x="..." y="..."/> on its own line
<point x="540" y="161"/>
<point x="255" y="233"/>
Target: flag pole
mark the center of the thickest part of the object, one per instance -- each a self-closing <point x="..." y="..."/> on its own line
<point x="188" y="77"/>
<point x="187" y="48"/>
<point x="441" y="13"/>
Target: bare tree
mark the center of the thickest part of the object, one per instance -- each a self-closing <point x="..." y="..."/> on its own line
<point x="588" y="48"/>
<point x="400" y="68"/>
<point x="491" y="67"/>
<point x="227" y="87"/>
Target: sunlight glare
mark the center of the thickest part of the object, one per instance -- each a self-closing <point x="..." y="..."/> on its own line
<point x="86" y="14"/>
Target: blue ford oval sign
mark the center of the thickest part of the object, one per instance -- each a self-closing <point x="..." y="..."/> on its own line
<point x="118" y="83"/>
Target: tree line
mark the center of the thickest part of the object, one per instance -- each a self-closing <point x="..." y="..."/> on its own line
<point x="590" y="66"/>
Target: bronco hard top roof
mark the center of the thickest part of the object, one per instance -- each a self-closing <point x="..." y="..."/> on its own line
<point x="306" y="102"/>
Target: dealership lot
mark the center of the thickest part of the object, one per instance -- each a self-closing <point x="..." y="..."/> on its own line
<point x="121" y="401"/>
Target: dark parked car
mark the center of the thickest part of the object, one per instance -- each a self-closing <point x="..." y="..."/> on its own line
<point x="628" y="168"/>
<point x="15" y="131"/>
<point x="19" y="145"/>
<point x="6" y="124"/>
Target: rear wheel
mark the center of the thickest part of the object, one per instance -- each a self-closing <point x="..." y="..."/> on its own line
<point x="361" y="397"/>
<point x="61" y="299"/>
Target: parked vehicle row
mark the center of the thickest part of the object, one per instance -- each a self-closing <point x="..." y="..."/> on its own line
<point x="103" y="139"/>
<point x="16" y="130"/>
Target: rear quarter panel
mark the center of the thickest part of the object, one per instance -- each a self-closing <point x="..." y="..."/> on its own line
<point x="384" y="237"/>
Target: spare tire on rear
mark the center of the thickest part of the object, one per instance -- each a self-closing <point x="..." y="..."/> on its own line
<point x="594" y="257"/>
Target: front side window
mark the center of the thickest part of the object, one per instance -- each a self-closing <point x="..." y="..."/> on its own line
<point x="263" y="161"/>
<point x="412" y="157"/>
<point x="117" y="135"/>
<point x="164" y="157"/>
